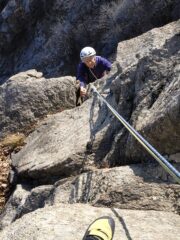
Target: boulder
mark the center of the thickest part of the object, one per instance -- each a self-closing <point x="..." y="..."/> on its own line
<point x="137" y="187"/>
<point x="61" y="145"/>
<point x="28" y="97"/>
<point x="130" y="187"/>
<point x="70" y="222"/>
<point x="24" y="199"/>
<point x="143" y="92"/>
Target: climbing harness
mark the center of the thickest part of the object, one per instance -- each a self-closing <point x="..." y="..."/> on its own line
<point x="162" y="161"/>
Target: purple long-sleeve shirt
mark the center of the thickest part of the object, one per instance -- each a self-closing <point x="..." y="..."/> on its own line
<point x="85" y="76"/>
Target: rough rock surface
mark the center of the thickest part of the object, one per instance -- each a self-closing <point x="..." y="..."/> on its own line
<point x="48" y="35"/>
<point x="69" y="222"/>
<point x="28" y="96"/>
<point x="62" y="143"/>
<point x="56" y="148"/>
<point x="24" y="199"/>
<point x="147" y="93"/>
<point x="143" y="86"/>
<point x="128" y="187"/>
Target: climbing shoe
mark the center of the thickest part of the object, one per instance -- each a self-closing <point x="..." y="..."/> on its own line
<point x="101" y="229"/>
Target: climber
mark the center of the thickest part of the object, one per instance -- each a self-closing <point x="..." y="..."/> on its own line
<point x="101" y="229"/>
<point x="91" y="67"/>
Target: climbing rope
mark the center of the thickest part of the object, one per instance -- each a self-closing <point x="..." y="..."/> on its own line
<point x="162" y="161"/>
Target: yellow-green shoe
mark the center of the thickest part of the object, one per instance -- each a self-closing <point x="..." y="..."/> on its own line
<point x="101" y="229"/>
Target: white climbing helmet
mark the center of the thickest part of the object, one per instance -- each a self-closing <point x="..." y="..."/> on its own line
<point x="87" y="52"/>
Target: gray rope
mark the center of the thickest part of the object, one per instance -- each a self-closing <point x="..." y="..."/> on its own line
<point x="162" y="161"/>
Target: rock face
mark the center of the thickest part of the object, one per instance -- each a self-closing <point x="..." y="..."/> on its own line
<point x="59" y="163"/>
<point x="27" y="97"/>
<point x="140" y="92"/>
<point x="147" y="92"/>
<point x="61" y="146"/>
<point x="48" y="36"/>
<point x="24" y="200"/>
<point x="71" y="222"/>
<point x="128" y="187"/>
